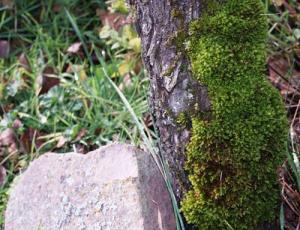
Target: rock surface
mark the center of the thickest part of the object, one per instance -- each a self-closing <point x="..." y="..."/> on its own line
<point x="115" y="187"/>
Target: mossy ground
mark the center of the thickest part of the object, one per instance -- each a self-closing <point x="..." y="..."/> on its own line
<point x="233" y="156"/>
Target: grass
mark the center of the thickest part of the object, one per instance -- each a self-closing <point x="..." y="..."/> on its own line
<point x="84" y="110"/>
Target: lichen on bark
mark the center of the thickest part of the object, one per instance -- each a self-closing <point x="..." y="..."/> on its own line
<point x="234" y="152"/>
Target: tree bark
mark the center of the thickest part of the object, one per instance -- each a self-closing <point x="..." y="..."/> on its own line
<point x="162" y="26"/>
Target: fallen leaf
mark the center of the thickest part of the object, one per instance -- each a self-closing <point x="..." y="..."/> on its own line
<point x="2" y="175"/>
<point x="138" y="66"/>
<point x="75" y="48"/>
<point x="61" y="142"/>
<point x="24" y="69"/>
<point x="292" y="10"/>
<point x="127" y="82"/>
<point x="15" y="44"/>
<point x="23" y="61"/>
<point x="281" y="76"/>
<point x="80" y="148"/>
<point x="98" y="131"/>
<point x="7" y="137"/>
<point x="8" y="4"/>
<point x="113" y="20"/>
<point x="31" y="137"/>
<point x="8" y="142"/>
<point x="56" y="8"/>
<point x="8" y="107"/>
<point x="17" y="124"/>
<point x="47" y="80"/>
<point x="4" y="48"/>
<point x="81" y="134"/>
<point x="147" y="119"/>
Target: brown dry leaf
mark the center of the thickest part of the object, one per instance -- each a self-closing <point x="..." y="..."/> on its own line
<point x="75" y="48"/>
<point x="47" y="80"/>
<point x="23" y="61"/>
<point x="8" y="142"/>
<point x="69" y="68"/>
<point x="127" y="82"/>
<point x="56" y="8"/>
<point x="9" y="4"/>
<point x="17" y="124"/>
<point x="138" y="67"/>
<point x="279" y="68"/>
<point x="148" y="120"/>
<point x="4" y="49"/>
<point x="81" y="134"/>
<point x="31" y="137"/>
<point x="290" y="8"/>
<point x="2" y="175"/>
<point x="61" y="142"/>
<point x="82" y="149"/>
<point x="8" y="107"/>
<point x="24" y="68"/>
<point x="114" y="20"/>
<point x="15" y="44"/>
<point x="97" y="131"/>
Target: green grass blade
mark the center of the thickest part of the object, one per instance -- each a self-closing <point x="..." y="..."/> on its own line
<point x="281" y="218"/>
<point x="79" y="34"/>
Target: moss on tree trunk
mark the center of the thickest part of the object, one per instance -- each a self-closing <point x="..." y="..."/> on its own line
<point x="217" y="116"/>
<point x="233" y="154"/>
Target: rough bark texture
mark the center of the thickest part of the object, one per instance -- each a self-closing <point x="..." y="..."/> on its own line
<point x="162" y="26"/>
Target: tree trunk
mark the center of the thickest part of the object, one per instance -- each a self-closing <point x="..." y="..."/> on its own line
<point x="163" y="26"/>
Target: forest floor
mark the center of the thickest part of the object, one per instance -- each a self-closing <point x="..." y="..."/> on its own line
<point x="70" y="70"/>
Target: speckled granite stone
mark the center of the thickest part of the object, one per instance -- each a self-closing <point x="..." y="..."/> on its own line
<point x="113" y="188"/>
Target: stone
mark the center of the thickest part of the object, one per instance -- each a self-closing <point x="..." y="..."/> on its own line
<point x="115" y="187"/>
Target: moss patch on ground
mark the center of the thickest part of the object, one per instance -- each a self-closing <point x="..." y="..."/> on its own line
<point x="233" y="155"/>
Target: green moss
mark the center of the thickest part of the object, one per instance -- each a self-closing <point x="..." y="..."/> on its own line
<point x="176" y="13"/>
<point x="232" y="157"/>
<point x="179" y="39"/>
<point x="183" y="119"/>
